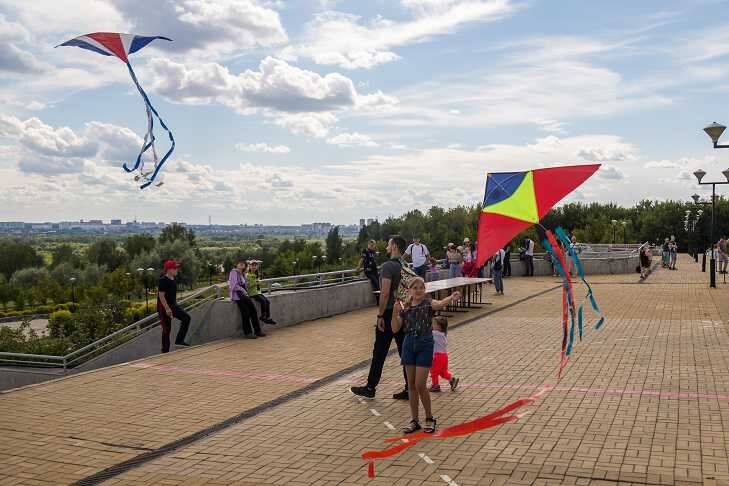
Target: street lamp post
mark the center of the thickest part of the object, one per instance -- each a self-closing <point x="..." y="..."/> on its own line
<point x="614" y="222"/>
<point x="699" y="176"/>
<point x="624" y="223"/>
<point x="73" y="292"/>
<point x="129" y="286"/>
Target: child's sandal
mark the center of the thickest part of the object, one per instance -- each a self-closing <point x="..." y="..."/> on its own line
<point x="429" y="425"/>
<point x="413" y="426"/>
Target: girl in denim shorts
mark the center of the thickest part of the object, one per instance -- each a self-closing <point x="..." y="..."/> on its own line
<point x="415" y="316"/>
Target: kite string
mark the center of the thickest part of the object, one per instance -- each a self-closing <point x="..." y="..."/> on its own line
<point x="158" y="165"/>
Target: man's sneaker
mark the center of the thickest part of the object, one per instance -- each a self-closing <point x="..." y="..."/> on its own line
<point x="269" y="321"/>
<point x="363" y="391"/>
<point x="434" y="388"/>
<point x="250" y="336"/>
<point x="261" y="334"/>
<point x="182" y="344"/>
<point x="454" y="383"/>
<point x="403" y="395"/>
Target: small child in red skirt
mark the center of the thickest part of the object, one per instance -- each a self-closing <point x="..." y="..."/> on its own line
<point x="440" y="356"/>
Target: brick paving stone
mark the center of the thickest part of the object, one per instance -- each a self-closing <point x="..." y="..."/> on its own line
<point x="643" y="400"/>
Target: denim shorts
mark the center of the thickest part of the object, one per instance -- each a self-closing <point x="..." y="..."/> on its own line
<point x="417" y="351"/>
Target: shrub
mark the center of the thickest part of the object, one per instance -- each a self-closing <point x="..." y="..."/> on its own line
<point x="60" y="324"/>
<point x="13" y="314"/>
<point x="65" y="307"/>
<point x="135" y="313"/>
<point x="43" y="309"/>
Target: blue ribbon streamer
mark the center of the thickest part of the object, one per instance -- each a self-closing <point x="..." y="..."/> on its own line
<point x="566" y="289"/>
<point x="150" y="144"/>
<point x="581" y="272"/>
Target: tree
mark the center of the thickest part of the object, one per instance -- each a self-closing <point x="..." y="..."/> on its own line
<point x="104" y="252"/>
<point x="16" y="255"/>
<point x="27" y="278"/>
<point x="334" y="245"/>
<point x="4" y="292"/>
<point x="135" y="245"/>
<point x="64" y="254"/>
<point x="177" y="232"/>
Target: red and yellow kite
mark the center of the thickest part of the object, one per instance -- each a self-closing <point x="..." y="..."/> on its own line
<point x="514" y="201"/>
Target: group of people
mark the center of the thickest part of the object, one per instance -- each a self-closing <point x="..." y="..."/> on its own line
<point x="669" y="253"/>
<point x="245" y="291"/>
<point x="420" y="335"/>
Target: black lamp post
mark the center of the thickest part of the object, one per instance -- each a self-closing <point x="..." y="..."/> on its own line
<point x="129" y="286"/>
<point x="322" y="260"/>
<point x="614" y="222"/>
<point x="699" y="176"/>
<point x="624" y="223"/>
<point x="73" y="292"/>
<point x="210" y="274"/>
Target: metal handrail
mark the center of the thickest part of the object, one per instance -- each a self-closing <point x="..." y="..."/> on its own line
<point x="138" y="327"/>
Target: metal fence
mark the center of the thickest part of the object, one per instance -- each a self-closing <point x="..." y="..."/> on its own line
<point x="81" y="355"/>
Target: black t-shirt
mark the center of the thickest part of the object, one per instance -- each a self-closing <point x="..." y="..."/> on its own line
<point x="368" y="261"/>
<point x="169" y="287"/>
<point x="391" y="271"/>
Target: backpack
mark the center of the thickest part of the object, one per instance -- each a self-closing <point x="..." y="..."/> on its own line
<point x="498" y="265"/>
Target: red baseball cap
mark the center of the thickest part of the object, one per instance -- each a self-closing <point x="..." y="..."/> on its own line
<point x="171" y="264"/>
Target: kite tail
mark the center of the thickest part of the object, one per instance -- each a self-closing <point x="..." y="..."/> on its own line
<point x="581" y="272"/>
<point x="150" y="135"/>
<point x="568" y="302"/>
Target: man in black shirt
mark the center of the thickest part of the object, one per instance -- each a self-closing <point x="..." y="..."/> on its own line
<point x="167" y="307"/>
<point x="389" y="283"/>
<point x="368" y="263"/>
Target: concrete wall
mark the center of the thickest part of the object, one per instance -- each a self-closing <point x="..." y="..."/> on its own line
<point x="221" y="319"/>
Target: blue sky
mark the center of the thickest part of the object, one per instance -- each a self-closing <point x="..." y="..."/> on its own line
<point x="315" y="110"/>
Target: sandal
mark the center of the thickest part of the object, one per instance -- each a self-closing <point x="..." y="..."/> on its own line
<point x="413" y="426"/>
<point x="429" y="425"/>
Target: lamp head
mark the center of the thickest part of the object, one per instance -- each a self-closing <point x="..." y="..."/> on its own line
<point x="699" y="175"/>
<point x="726" y="174"/>
<point x="714" y="131"/>
<point x="696" y="198"/>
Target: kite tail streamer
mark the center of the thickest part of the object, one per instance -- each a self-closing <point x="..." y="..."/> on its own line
<point x="581" y="272"/>
<point x="493" y="419"/>
<point x="150" y="125"/>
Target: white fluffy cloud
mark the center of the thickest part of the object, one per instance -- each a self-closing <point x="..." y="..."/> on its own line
<point x="44" y="149"/>
<point x="276" y="85"/>
<point x="345" y="40"/>
<point x="354" y="139"/>
<point x="13" y="59"/>
<point x="263" y="147"/>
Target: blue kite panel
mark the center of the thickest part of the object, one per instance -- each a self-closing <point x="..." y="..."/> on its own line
<point x="501" y="185"/>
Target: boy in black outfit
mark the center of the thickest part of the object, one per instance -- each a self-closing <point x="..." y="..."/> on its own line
<point x="167" y="307"/>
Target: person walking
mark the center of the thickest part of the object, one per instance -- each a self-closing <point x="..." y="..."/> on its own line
<point x="384" y="334"/>
<point x="368" y="263"/>
<point x="723" y="255"/>
<point x="497" y="269"/>
<point x="237" y="286"/>
<point x="418" y="255"/>
<point x="440" y="356"/>
<point x="646" y="256"/>
<point x="529" y="257"/>
<point x="507" y="260"/>
<point x="167" y="307"/>
<point x="672" y="253"/>
<point x="455" y="258"/>
<point x="254" y="291"/>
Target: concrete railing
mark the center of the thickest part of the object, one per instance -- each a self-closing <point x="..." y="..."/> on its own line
<point x="220" y="319"/>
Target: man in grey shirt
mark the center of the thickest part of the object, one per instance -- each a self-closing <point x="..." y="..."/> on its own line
<point x="389" y="283"/>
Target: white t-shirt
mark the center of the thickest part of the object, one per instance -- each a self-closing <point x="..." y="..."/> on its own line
<point x="440" y="342"/>
<point x="419" y="254"/>
<point x="530" y="248"/>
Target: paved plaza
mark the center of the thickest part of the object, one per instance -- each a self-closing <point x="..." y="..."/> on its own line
<point x="643" y="401"/>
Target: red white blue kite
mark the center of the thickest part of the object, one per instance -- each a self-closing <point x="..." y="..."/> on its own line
<point x="120" y="46"/>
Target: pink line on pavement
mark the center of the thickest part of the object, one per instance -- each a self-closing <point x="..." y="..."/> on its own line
<point x="225" y="373"/>
<point x="482" y="386"/>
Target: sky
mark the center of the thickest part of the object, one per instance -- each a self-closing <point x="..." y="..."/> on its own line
<point x="289" y="112"/>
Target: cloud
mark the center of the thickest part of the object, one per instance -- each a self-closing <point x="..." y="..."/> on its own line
<point x="43" y="149"/>
<point x="352" y="140"/>
<point x="262" y="147"/>
<point x="610" y="173"/>
<point x="315" y="125"/>
<point x="276" y="85"/>
<point x="521" y="89"/>
<point x="617" y="153"/>
<point x="14" y="60"/>
<point x="344" y="40"/>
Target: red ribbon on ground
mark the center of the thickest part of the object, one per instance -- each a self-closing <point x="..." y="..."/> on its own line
<point x="486" y="422"/>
